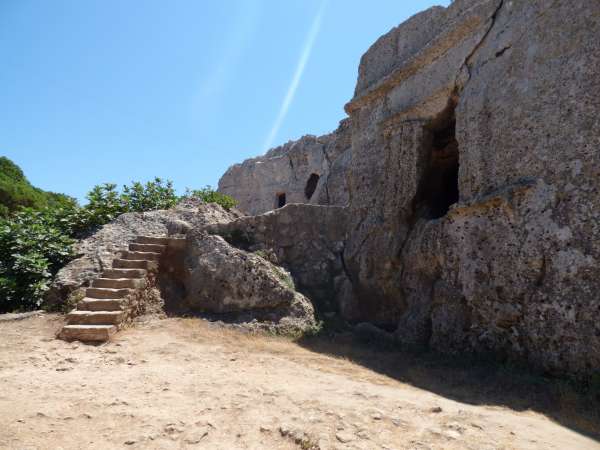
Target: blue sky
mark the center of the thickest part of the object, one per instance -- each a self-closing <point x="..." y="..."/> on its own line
<point x="95" y="91"/>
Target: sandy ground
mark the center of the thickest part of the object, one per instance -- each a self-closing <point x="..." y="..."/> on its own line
<point x="182" y="383"/>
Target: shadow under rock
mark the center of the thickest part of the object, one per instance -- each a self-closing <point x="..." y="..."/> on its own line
<point x="472" y="380"/>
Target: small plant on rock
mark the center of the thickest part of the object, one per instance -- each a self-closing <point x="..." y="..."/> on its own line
<point x="209" y="195"/>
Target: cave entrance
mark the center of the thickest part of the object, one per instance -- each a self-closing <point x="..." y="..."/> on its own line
<point x="311" y="185"/>
<point x="438" y="187"/>
<point x="280" y="200"/>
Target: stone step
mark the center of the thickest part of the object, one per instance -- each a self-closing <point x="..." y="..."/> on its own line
<point x="152" y="240"/>
<point x="79" y="317"/>
<point x="124" y="273"/>
<point x="120" y="263"/>
<point x="87" y="333"/>
<point x="156" y="248"/>
<point x="106" y="293"/>
<point x="94" y="304"/>
<point x="118" y="283"/>
<point x="140" y="256"/>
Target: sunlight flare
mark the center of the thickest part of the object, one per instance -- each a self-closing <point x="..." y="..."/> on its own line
<point x="291" y="92"/>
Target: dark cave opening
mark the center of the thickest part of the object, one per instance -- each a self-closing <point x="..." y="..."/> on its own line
<point x="438" y="187"/>
<point x="280" y="200"/>
<point x="311" y="185"/>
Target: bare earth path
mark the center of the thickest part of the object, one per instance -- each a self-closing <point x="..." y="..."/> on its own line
<point x="180" y="383"/>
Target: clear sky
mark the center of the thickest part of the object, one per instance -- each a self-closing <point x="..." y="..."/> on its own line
<point x="95" y="91"/>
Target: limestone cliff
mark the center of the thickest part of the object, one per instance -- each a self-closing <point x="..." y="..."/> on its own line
<point x="310" y="170"/>
<point x="471" y="181"/>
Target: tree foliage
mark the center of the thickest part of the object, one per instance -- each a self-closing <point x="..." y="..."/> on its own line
<point x="209" y="195"/>
<point x="16" y="191"/>
<point x="34" y="245"/>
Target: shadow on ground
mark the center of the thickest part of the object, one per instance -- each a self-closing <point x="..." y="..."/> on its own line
<point x="474" y="381"/>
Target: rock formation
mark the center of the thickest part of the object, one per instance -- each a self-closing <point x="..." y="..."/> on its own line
<point x="469" y="167"/>
<point x="198" y="273"/>
<point x="96" y="252"/>
<point x="222" y="279"/>
<point x="308" y="240"/>
<point x="309" y="170"/>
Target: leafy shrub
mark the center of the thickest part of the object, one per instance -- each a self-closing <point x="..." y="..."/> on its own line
<point x="157" y="194"/>
<point x="34" y="245"/>
<point x="209" y="195"/>
<point x="106" y="203"/>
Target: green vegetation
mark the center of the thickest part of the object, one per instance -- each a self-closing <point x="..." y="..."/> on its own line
<point x="38" y="228"/>
<point x="16" y="191"/>
<point x="106" y="203"/>
<point x="33" y="246"/>
<point x="209" y="195"/>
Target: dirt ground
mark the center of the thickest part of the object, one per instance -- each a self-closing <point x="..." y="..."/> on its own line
<point x="184" y="383"/>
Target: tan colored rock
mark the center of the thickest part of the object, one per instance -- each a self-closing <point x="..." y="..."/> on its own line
<point x="222" y="279"/>
<point x="473" y="182"/>
<point x="309" y="170"/>
<point x="98" y="250"/>
<point x="501" y="258"/>
<point x="308" y="240"/>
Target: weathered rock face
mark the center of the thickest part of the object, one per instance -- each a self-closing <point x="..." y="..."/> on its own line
<point x="483" y="109"/>
<point x="202" y="273"/>
<point x="309" y="170"/>
<point x="473" y="182"/>
<point x="220" y="278"/>
<point x="98" y="251"/>
<point x="308" y="240"/>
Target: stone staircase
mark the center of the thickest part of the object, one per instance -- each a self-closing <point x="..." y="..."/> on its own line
<point x="109" y="301"/>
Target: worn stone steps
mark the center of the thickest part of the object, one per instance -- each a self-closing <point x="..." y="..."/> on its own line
<point x="155" y="248"/>
<point x="79" y="317"/>
<point x="124" y="273"/>
<point x="118" y="283"/>
<point x="87" y="333"/>
<point x="143" y="256"/>
<point x="120" y="263"/>
<point x="96" y="304"/>
<point x="94" y="292"/>
<point x="153" y="240"/>
<point x="106" y="304"/>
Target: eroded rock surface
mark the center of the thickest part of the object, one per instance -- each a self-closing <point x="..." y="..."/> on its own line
<point x="472" y="181"/>
<point x="309" y="170"/>
<point x="199" y="274"/>
<point x="308" y="240"/>
<point x="222" y="279"/>
<point x="97" y="251"/>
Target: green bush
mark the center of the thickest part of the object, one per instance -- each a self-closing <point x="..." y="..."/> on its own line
<point x="157" y="194"/>
<point x="34" y="245"/>
<point x="106" y="203"/>
<point x="209" y="195"/>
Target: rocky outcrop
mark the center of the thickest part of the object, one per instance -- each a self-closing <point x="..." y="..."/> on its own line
<point x="309" y="170"/>
<point x="222" y="279"/>
<point x="198" y="273"/>
<point x="96" y="252"/>
<point x="477" y="236"/>
<point x="472" y="182"/>
<point x="308" y="240"/>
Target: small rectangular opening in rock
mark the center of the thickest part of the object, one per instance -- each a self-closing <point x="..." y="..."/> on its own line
<point x="281" y="200"/>
<point x="438" y="187"/>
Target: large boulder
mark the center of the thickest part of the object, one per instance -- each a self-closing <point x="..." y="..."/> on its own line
<point x="308" y="240"/>
<point x="222" y="279"/>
